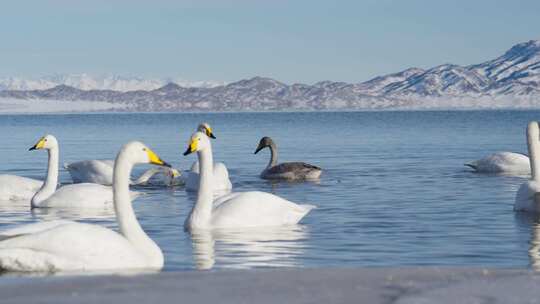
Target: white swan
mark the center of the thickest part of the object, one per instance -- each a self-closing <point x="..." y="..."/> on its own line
<point x="502" y="162"/>
<point x="100" y="171"/>
<point x="86" y="195"/>
<point x="14" y="187"/>
<point x="220" y="175"/>
<point x="68" y="246"/>
<point x="527" y="196"/>
<point x="285" y="171"/>
<point x="236" y="210"/>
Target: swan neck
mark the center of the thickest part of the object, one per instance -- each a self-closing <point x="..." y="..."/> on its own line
<point x="127" y="221"/>
<point x="51" y="181"/>
<point x="534" y="149"/>
<point x="202" y="211"/>
<point x="273" y="156"/>
<point x="147" y="175"/>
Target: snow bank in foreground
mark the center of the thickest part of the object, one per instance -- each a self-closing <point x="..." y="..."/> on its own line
<point x="8" y="106"/>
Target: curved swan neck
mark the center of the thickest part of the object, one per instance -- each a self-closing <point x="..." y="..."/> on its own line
<point x="127" y="221"/>
<point x="146" y="176"/>
<point x="273" y="155"/>
<point x="51" y="181"/>
<point x="202" y="211"/>
<point x="533" y="142"/>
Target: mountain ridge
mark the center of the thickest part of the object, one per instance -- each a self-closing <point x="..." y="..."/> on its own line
<point x="510" y="80"/>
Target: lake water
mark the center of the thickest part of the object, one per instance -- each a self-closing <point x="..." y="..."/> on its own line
<point x="394" y="191"/>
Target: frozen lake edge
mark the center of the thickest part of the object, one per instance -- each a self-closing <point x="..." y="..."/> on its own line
<point x="322" y="285"/>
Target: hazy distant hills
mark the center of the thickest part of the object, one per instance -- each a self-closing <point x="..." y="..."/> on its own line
<point x="511" y="80"/>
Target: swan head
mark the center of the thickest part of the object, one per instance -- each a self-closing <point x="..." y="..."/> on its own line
<point x="206" y="129"/>
<point x="263" y="143"/>
<point x="139" y="153"/>
<point x="198" y="141"/>
<point x="47" y="142"/>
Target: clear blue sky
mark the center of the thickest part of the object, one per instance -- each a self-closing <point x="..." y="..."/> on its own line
<point x="292" y="41"/>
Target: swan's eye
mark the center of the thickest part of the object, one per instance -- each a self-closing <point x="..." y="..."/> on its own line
<point x="144" y="149"/>
<point x="45" y="139"/>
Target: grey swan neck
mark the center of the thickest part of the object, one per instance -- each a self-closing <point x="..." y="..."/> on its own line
<point x="51" y="181"/>
<point x="202" y="211"/>
<point x="273" y="156"/>
<point x="125" y="216"/>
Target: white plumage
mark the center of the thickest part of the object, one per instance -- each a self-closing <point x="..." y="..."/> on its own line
<point x="68" y="246"/>
<point x="502" y="162"/>
<point x="235" y="210"/>
<point x="527" y="196"/>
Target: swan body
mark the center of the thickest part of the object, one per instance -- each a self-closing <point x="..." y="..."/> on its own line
<point x="527" y="196"/>
<point x="69" y="246"/>
<point x="285" y="171"/>
<point x="220" y="178"/>
<point x="84" y="195"/>
<point x="13" y="187"/>
<point x="235" y="210"/>
<point x="100" y="171"/>
<point x="501" y="162"/>
<point x="97" y="171"/>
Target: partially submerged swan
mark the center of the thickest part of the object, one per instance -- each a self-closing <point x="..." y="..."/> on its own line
<point x="285" y="171"/>
<point x="220" y="175"/>
<point x="85" y="195"/>
<point x="527" y="196"/>
<point x="502" y="162"/>
<point x="235" y="210"/>
<point x="100" y="171"/>
<point x="67" y="246"/>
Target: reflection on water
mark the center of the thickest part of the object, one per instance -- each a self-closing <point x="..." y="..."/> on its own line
<point x="247" y="248"/>
<point x="50" y="214"/>
<point x="532" y="221"/>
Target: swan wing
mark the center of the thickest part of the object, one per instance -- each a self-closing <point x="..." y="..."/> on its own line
<point x="13" y="187"/>
<point x="32" y="228"/>
<point x="85" y="195"/>
<point x="256" y="209"/>
<point x="91" y="171"/>
<point x="90" y="247"/>
<point x="293" y="170"/>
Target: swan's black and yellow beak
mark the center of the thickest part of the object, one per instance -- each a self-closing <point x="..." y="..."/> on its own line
<point x="209" y="132"/>
<point x="155" y="159"/>
<point x="39" y="145"/>
<point x="192" y="147"/>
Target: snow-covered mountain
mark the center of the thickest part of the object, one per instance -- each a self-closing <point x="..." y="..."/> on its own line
<point x="511" y="80"/>
<point x="108" y="82"/>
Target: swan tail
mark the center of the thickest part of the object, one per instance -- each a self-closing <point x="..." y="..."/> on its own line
<point x="308" y="207"/>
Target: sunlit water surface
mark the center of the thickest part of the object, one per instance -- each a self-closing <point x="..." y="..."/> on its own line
<point x="394" y="189"/>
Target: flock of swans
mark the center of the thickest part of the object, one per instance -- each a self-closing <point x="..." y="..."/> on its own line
<point x="63" y="245"/>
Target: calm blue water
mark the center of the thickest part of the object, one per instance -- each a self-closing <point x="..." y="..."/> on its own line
<point x="394" y="190"/>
